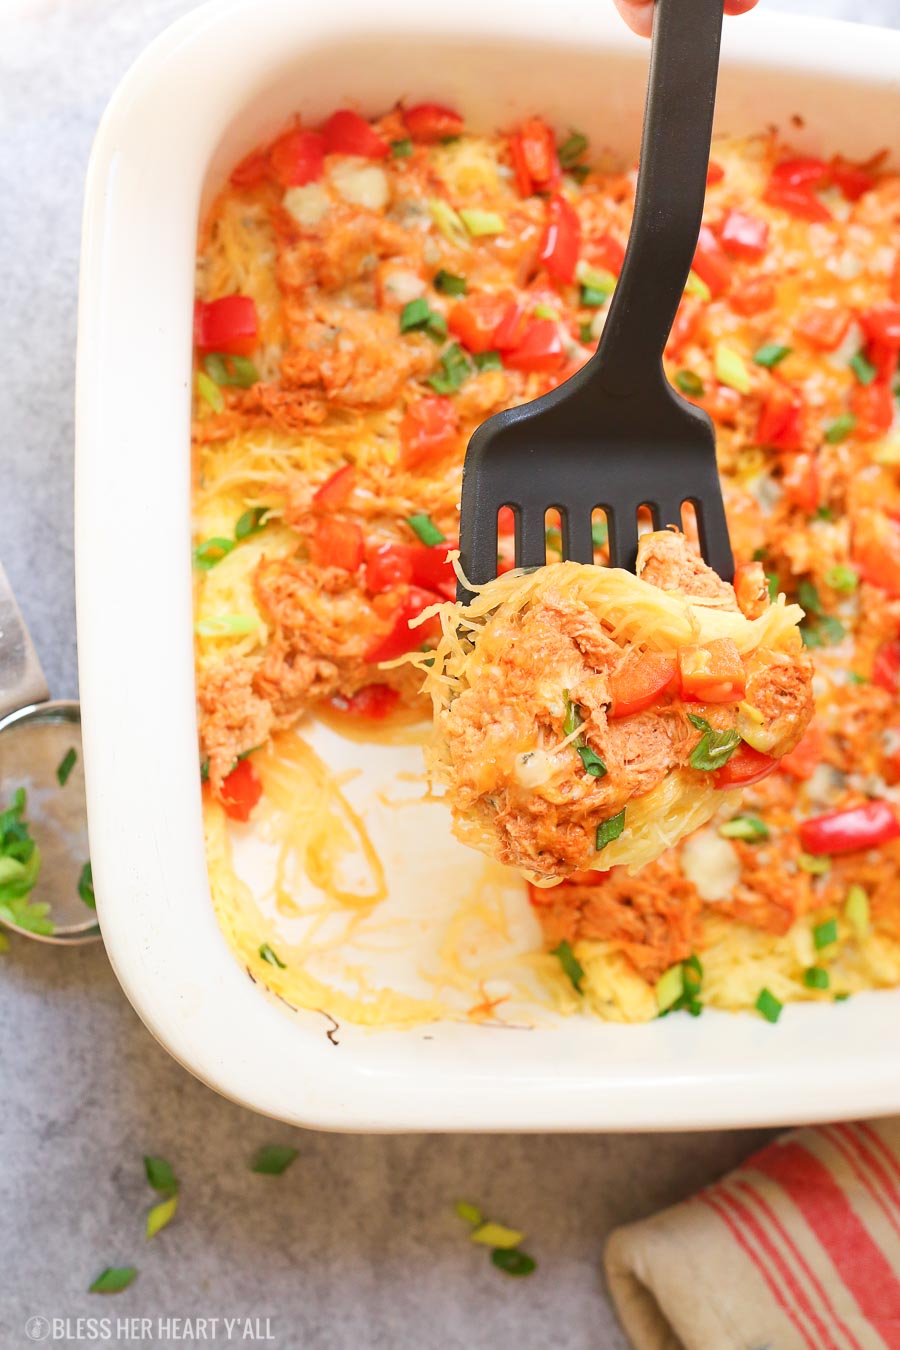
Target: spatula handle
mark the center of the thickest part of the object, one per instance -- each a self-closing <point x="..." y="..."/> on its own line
<point x="681" y="94"/>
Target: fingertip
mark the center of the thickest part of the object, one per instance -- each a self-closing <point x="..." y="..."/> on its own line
<point x="638" y="14"/>
<point x="740" y="6"/>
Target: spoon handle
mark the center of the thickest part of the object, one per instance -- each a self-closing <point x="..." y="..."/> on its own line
<point x="671" y="185"/>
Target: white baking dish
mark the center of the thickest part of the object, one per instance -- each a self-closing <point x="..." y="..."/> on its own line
<point x="204" y="93"/>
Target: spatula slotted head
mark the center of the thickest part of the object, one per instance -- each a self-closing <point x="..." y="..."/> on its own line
<point x="578" y="450"/>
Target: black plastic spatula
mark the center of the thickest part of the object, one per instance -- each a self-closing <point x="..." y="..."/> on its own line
<point x="616" y="435"/>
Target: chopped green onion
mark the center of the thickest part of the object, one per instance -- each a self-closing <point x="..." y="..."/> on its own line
<point x="449" y="284"/>
<point x="544" y="312"/>
<point x="65" y="766"/>
<point x="748" y="828"/>
<point x="608" y="830"/>
<point x="269" y="954"/>
<point x="862" y="368"/>
<point x="401" y="149"/>
<point x="592" y="762"/>
<point x="230" y="370"/>
<point x="689" y="382"/>
<point x="227" y="625"/>
<point x="418" y="316"/>
<point x="824" y="513"/>
<point x="469" y="1213"/>
<point x="840" y="428"/>
<point x="714" y="748"/>
<point x="204" y="770"/>
<point x="273" y="1159"/>
<point x="572" y="967"/>
<point x="488" y="361"/>
<point x="86" y="886"/>
<point x="592" y="297"/>
<point x="813" y="863"/>
<point x="808" y="598"/>
<point x="455" y="370"/>
<point x="841" y="998"/>
<point x="841" y="578"/>
<point x="479" y="222"/>
<point x="212" y="551"/>
<point x="490" y="1234"/>
<point x="160" y="1215"/>
<point x="448" y="222"/>
<point x="251" y="522"/>
<point x="579" y="172"/>
<point x="572" y="149"/>
<point x="161" y="1175"/>
<point x="553" y="539"/>
<point x="824" y="934"/>
<point x="856" y="911"/>
<point x="512" y="1261"/>
<point x="20" y="865"/>
<point x="769" y="1005"/>
<point x="731" y="368"/>
<point x="586" y="333"/>
<point x="669" y="987"/>
<point x="426" y="529"/>
<point x="599" y="534"/>
<point x="832" y="629"/>
<point x="598" y="278"/>
<point x="770" y="354"/>
<point x="573" y="719"/>
<point x="816" y="977"/>
<point x="113" y="1280"/>
<point x="854" y="677"/>
<point x="210" y="391"/>
<point x="697" y="286"/>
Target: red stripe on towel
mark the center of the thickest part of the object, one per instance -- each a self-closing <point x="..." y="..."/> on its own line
<point x="879" y="1146"/>
<point x="828" y="1212"/>
<point x="828" y="1309"/>
<point x="862" y="1139"/>
<point x="847" y="1146"/>
<point x="715" y="1200"/>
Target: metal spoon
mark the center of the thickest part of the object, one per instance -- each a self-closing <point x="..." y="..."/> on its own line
<point x="36" y="735"/>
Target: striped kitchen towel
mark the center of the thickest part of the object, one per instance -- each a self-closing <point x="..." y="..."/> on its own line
<point x="798" y="1249"/>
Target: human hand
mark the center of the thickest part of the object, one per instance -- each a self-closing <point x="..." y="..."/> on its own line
<point x="638" y="14"/>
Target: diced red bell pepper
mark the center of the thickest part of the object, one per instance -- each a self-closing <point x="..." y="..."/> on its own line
<point x="799" y="172"/>
<point x="639" y="681"/>
<point x="251" y="171"/>
<point x="853" y="179"/>
<point x="894" y="288"/>
<point x="540" y="348"/>
<point x="346" y="133"/>
<point x="373" y="701"/>
<point x="780" y="424"/>
<point x="873" y="407"/>
<point x="298" y="157"/>
<point x="533" y="150"/>
<point x="562" y="239"/>
<point x="511" y="328"/>
<point x="337" y="543"/>
<point x="744" y="235"/>
<point x="430" y="427"/>
<point x="806" y="756"/>
<point x="476" y="319"/>
<point x="884" y="358"/>
<point x="606" y="252"/>
<point x="745" y="767"/>
<point x="712" y="673"/>
<point x="882" y="324"/>
<point x="228" y="325"/>
<point x="711" y="262"/>
<point x="824" y="324"/>
<point x="876" y="549"/>
<point x="715" y="173"/>
<point x="687" y="321"/>
<point x="240" y="791"/>
<point x="430" y="122"/>
<point x="506" y="520"/>
<point x="753" y="296"/>
<point x="400" y="638"/>
<point x="801" y="483"/>
<point x="852" y="829"/>
<point x="886" y="667"/>
<point x="390" y="564"/>
<point x="335" y="491"/>
<point x="798" y="200"/>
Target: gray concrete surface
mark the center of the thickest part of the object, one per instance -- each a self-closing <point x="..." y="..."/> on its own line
<point x="356" y="1247"/>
